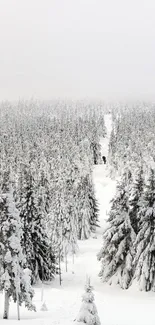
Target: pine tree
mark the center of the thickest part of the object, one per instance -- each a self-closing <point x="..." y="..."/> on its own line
<point x="112" y="151"/>
<point x="14" y="279"/>
<point x="36" y="245"/>
<point x="44" y="189"/>
<point x="135" y="194"/>
<point x="84" y="228"/>
<point x="94" y="222"/>
<point x="96" y="151"/>
<point x="69" y="233"/>
<point x="56" y="217"/>
<point x="88" y="312"/>
<point x="145" y="241"/>
<point x="87" y="208"/>
<point x="117" y="252"/>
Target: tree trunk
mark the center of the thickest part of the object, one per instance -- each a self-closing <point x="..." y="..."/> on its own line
<point x="18" y="310"/>
<point x="17" y="295"/>
<point x="60" y="279"/>
<point x="66" y="261"/>
<point x="42" y="285"/>
<point x="6" y="305"/>
<point x="73" y="264"/>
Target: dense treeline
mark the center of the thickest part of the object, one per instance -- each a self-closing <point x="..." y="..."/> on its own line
<point x="47" y="150"/>
<point x="132" y="139"/>
<point x="128" y="252"/>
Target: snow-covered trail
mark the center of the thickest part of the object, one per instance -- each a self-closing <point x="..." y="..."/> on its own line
<point x="115" y="306"/>
<point x="104" y="185"/>
<point x="86" y="263"/>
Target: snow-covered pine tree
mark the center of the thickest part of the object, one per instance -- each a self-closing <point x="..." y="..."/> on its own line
<point x="35" y="242"/>
<point x="94" y="222"/>
<point x="112" y="157"/>
<point x="87" y="208"/>
<point x="70" y="220"/>
<point x="96" y="151"/>
<point x="135" y="194"/>
<point x="14" y="279"/>
<point x="145" y="242"/>
<point x="84" y="228"/>
<point x="88" y="313"/>
<point x="44" y="193"/>
<point x="117" y="253"/>
<point x="69" y="233"/>
<point x="63" y="219"/>
<point x="56" y="218"/>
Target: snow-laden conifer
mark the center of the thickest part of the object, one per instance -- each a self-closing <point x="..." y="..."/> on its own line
<point x="96" y="151"/>
<point x="88" y="312"/>
<point x="93" y="207"/>
<point x="14" y="279"/>
<point x="145" y="241"/>
<point x="135" y="193"/>
<point x="87" y="208"/>
<point x="84" y="230"/>
<point x="35" y="242"/>
<point x="117" y="252"/>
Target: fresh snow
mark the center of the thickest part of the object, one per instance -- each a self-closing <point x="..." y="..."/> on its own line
<point x="115" y="306"/>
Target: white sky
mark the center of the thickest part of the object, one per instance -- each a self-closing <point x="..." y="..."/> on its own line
<point x="77" y="48"/>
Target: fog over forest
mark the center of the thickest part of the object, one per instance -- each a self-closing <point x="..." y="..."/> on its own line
<point x="77" y="49"/>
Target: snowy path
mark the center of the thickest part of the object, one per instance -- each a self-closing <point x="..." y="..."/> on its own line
<point x="115" y="306"/>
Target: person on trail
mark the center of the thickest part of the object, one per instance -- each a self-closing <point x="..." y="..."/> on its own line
<point x="104" y="159"/>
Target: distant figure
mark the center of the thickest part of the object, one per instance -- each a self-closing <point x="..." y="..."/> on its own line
<point x="104" y="159"/>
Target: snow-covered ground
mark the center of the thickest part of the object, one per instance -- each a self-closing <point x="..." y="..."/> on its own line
<point x="115" y="306"/>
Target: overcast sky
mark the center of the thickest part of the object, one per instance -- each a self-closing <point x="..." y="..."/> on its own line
<point x="77" y="49"/>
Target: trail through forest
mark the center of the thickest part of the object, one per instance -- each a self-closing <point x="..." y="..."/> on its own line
<point x="115" y="306"/>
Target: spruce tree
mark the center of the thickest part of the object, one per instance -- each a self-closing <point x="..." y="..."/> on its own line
<point x="36" y="244"/>
<point x="135" y="194"/>
<point x="14" y="278"/>
<point x="84" y="228"/>
<point x="88" y="312"/>
<point x="112" y="152"/>
<point x="116" y="254"/>
<point x="145" y="241"/>
<point x="93" y="206"/>
<point x="87" y="208"/>
<point x="44" y="189"/>
<point x="96" y="151"/>
<point x="69" y="233"/>
<point x="70" y="218"/>
<point x="56" y="217"/>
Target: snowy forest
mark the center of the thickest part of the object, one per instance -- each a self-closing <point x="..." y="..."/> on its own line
<point x="48" y="203"/>
<point x="47" y="199"/>
<point x="128" y="251"/>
